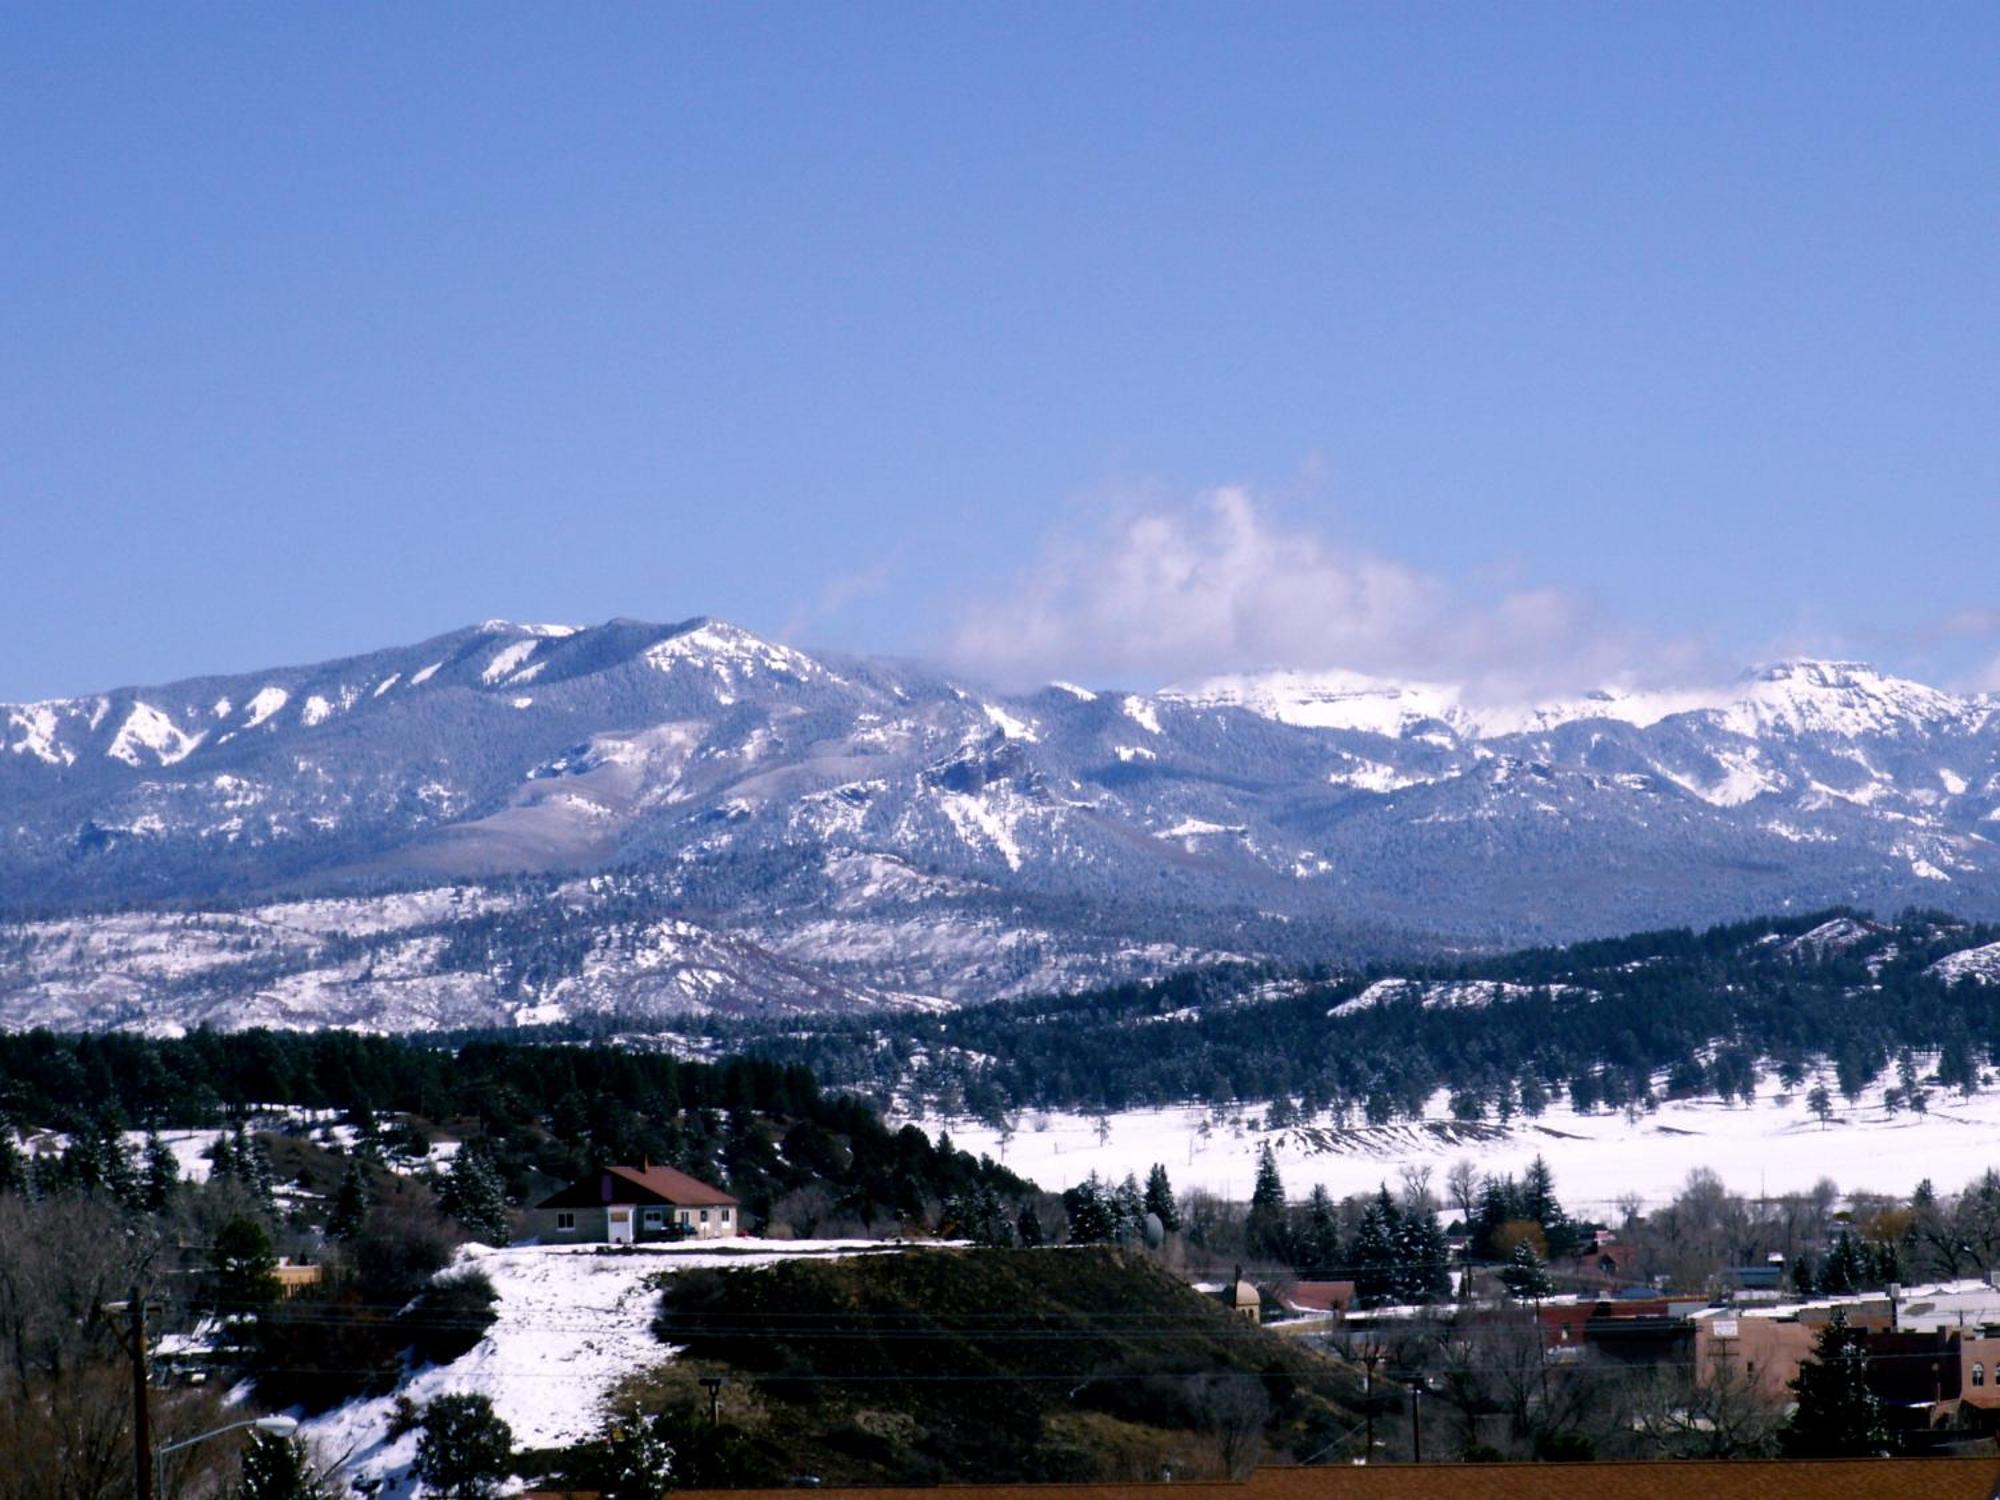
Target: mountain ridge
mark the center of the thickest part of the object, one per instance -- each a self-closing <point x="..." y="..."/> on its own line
<point x="904" y="836"/>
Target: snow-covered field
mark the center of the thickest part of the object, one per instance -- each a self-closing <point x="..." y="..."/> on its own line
<point x="1773" y="1145"/>
<point x="573" y="1321"/>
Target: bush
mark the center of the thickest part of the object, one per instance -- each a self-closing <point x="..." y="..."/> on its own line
<point x="465" y="1450"/>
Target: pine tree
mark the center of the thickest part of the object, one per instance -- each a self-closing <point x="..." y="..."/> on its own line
<point x="1265" y="1230"/>
<point x="1029" y="1226"/>
<point x="163" y="1175"/>
<point x="278" y="1468"/>
<point x="1837" y="1415"/>
<point x="1525" y="1275"/>
<point x="1803" y="1280"/>
<point x="222" y="1166"/>
<point x="1422" y="1270"/>
<point x="1090" y="1220"/>
<point x="1374" y="1252"/>
<point x="246" y="1278"/>
<point x="351" y="1201"/>
<point x="465" y="1450"/>
<point x="471" y="1193"/>
<point x="1160" y="1199"/>
<point x="1128" y="1211"/>
<point x="14" y="1175"/>
<point x="1319" y="1242"/>
<point x="1846" y="1268"/>
<point x="640" y="1462"/>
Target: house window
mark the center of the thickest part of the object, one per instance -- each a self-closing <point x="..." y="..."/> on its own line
<point x="725" y="1216"/>
<point x="1978" y="1373"/>
<point x="656" y="1218"/>
<point x="704" y="1216"/>
<point x="565" y="1222"/>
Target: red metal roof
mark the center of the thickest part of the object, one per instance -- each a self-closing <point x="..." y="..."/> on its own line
<point x="646" y="1184"/>
<point x="676" y="1188"/>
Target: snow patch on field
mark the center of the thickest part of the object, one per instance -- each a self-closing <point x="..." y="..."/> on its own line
<point x="573" y="1321"/>
<point x="1773" y="1145"/>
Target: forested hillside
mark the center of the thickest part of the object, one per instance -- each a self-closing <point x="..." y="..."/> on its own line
<point x="1603" y="1022"/>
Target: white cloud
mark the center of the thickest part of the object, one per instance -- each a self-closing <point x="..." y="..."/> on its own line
<point x="838" y="593"/>
<point x="1168" y="593"/>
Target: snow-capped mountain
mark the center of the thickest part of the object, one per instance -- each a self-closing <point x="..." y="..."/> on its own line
<point x="882" y="833"/>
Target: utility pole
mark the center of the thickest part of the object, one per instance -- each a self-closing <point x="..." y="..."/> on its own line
<point x="1369" y="1355"/>
<point x="134" y="1340"/>
<point x="1416" y="1422"/>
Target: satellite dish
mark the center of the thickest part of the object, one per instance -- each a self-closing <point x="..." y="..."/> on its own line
<point x="1156" y="1232"/>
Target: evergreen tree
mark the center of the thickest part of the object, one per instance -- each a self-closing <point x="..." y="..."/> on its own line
<point x="1089" y="1210"/>
<point x="1423" y="1273"/>
<point x="465" y="1450"/>
<point x="1538" y="1202"/>
<point x="1525" y="1275"/>
<point x="1846" y="1269"/>
<point x="1029" y="1227"/>
<point x="1374" y="1252"/>
<point x="1160" y="1199"/>
<point x="351" y="1201"/>
<point x="278" y="1468"/>
<point x="163" y="1175"/>
<point x="1837" y="1415"/>
<point x="1803" y="1281"/>
<point x="979" y="1215"/>
<point x="245" y="1269"/>
<point x="14" y="1176"/>
<point x="640" y="1462"/>
<point x="471" y="1193"/>
<point x="1265" y="1229"/>
<point x="1319" y="1239"/>
<point x="1128" y="1211"/>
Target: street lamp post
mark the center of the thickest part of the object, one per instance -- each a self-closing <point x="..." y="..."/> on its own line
<point x="276" y="1426"/>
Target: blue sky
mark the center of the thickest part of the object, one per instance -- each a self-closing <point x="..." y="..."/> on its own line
<point x="1636" y="339"/>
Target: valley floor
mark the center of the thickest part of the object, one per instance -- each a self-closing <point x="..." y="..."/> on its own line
<point x="1772" y="1145"/>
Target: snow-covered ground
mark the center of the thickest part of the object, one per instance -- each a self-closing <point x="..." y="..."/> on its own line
<point x="1773" y="1145"/>
<point x="573" y="1321"/>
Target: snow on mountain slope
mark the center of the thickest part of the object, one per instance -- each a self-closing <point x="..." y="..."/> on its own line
<point x="1981" y="965"/>
<point x="1847" y="700"/>
<point x="1332" y="700"/>
<point x="1062" y="835"/>
<point x="149" y="735"/>
<point x="1462" y="994"/>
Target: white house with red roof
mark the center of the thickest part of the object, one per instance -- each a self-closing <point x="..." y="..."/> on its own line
<point x="635" y="1205"/>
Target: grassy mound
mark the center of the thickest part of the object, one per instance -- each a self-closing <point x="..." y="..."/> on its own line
<point x="984" y="1365"/>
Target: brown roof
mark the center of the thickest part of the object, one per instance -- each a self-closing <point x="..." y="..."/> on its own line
<point x="1742" y="1479"/>
<point x="646" y="1184"/>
